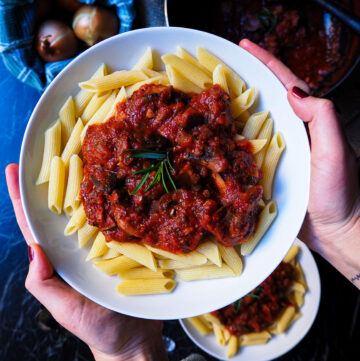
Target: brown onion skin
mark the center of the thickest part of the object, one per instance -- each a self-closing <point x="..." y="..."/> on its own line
<point x="55" y="41"/>
<point x="69" y="5"/>
<point x="93" y="24"/>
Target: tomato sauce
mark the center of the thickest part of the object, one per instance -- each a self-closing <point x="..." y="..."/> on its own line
<point x="216" y="177"/>
<point x="258" y="310"/>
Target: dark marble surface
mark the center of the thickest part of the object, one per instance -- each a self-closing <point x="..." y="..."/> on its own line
<point x="334" y="335"/>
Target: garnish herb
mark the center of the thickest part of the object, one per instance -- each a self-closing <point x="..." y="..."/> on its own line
<point x="161" y="167"/>
<point x="267" y="20"/>
<point x="254" y="294"/>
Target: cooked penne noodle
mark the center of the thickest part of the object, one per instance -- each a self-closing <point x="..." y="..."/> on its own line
<point x="192" y="258"/>
<point x="72" y="201"/>
<point x="52" y="147"/>
<point x="299" y="275"/>
<point x="218" y="331"/>
<point x="83" y="97"/>
<point x="95" y="103"/>
<point x="200" y="326"/>
<point x="297" y="287"/>
<point x="265" y="133"/>
<point x="114" y="80"/>
<point x="284" y="321"/>
<point x="254" y="123"/>
<point x="298" y="298"/>
<point x="120" y="97"/>
<point x="67" y="119"/>
<point x="115" y="265"/>
<point x="231" y="258"/>
<point x="179" y="82"/>
<point x="227" y="334"/>
<point x="146" y="287"/>
<point x="271" y="161"/>
<point x="85" y="233"/>
<point x="76" y="221"/>
<point x="232" y="346"/>
<point x="257" y="145"/>
<point x="204" y="272"/>
<point x="146" y="61"/>
<point x="211" y="318"/>
<point x="188" y="70"/>
<point x="211" y="251"/>
<point x="145" y="273"/>
<point x="243" y="102"/>
<point x="98" y="248"/>
<point x="210" y="61"/>
<point x="73" y="146"/>
<point x="56" y="185"/>
<point x="172" y="264"/>
<point x="293" y="252"/>
<point x="155" y="80"/>
<point x="111" y="253"/>
<point x="183" y="54"/>
<point x="136" y="252"/>
<point x="153" y="74"/>
<point x="255" y="338"/>
<point x="219" y="77"/>
<point x="267" y="216"/>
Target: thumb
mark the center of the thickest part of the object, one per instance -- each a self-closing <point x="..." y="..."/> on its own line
<point x="326" y="133"/>
<point x="40" y="268"/>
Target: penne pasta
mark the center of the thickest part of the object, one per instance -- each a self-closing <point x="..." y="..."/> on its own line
<point x="254" y="123"/>
<point x="265" y="220"/>
<point x="98" y="248"/>
<point x="52" y="147"/>
<point x="284" y="320"/>
<point x="204" y="272"/>
<point x="183" y="54"/>
<point x="211" y="251"/>
<point x="146" y="287"/>
<point x="136" y="252"/>
<point x="146" y="61"/>
<point x="120" y="97"/>
<point x="145" y="273"/>
<point x="73" y="146"/>
<point x="231" y="258"/>
<point x="219" y="77"/>
<point x="293" y="252"/>
<point x="95" y="103"/>
<point x="67" y="119"/>
<point x="72" y="201"/>
<point x="272" y="157"/>
<point x="200" y="326"/>
<point x="232" y="346"/>
<point x="257" y="145"/>
<point x="265" y="133"/>
<point x="154" y="80"/>
<point x="83" y="97"/>
<point x="76" y="221"/>
<point x="219" y="334"/>
<point x="180" y="82"/>
<point x="111" y="253"/>
<point x="192" y="258"/>
<point x="113" y="81"/>
<point x="116" y="265"/>
<point x="56" y="185"/>
<point x="188" y="70"/>
<point x="255" y="338"/>
<point x="85" y="233"/>
<point x="172" y="264"/>
<point x="243" y="102"/>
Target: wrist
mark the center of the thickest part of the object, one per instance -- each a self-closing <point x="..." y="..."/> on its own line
<point x="152" y="350"/>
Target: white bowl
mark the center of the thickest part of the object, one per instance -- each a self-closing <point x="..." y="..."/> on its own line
<point x="291" y="188"/>
<point x="279" y="344"/>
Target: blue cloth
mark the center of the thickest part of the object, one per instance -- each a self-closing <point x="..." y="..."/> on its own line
<point x="17" y="23"/>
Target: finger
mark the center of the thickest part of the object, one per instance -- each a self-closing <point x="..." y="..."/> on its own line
<point x="12" y="180"/>
<point x="325" y="129"/>
<point x="281" y="71"/>
<point x="57" y="296"/>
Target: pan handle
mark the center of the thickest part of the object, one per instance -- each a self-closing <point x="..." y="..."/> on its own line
<point x="347" y="18"/>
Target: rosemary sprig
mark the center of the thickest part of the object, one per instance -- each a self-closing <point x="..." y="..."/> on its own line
<point x="267" y="20"/>
<point x="161" y="167"/>
<point x="254" y="294"/>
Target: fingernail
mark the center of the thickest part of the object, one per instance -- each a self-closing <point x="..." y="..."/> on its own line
<point x="30" y="254"/>
<point x="299" y="93"/>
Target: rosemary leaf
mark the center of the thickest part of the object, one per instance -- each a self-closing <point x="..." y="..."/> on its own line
<point x="162" y="177"/>
<point x="141" y="183"/>
<point x="169" y="175"/>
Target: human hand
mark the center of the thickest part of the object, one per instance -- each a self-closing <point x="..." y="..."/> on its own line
<point x="110" y="335"/>
<point x="331" y="226"/>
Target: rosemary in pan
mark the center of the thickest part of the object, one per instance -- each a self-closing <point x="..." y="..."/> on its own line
<point x="268" y="20"/>
<point x="237" y="304"/>
<point x="162" y="168"/>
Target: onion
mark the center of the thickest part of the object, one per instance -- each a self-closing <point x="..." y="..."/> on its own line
<point x="69" y="5"/>
<point x="93" y="24"/>
<point x="55" y="41"/>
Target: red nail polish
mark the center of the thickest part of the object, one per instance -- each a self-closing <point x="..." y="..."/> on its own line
<point x="299" y="93"/>
<point x="30" y="254"/>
